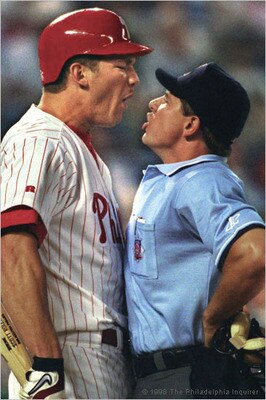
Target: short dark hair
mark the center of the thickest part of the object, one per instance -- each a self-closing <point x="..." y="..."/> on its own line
<point x="214" y="145"/>
<point x="60" y="84"/>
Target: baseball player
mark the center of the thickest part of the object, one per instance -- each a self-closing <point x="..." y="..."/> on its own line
<point x="195" y="247"/>
<point x="62" y="278"/>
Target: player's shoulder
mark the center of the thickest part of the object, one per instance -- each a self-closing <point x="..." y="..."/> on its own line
<point x="35" y="126"/>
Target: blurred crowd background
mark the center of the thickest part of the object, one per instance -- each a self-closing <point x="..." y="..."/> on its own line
<point x="184" y="34"/>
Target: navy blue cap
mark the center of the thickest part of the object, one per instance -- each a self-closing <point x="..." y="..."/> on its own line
<point x="220" y="102"/>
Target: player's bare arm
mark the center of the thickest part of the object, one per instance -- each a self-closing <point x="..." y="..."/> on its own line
<point x="24" y="294"/>
<point x="242" y="279"/>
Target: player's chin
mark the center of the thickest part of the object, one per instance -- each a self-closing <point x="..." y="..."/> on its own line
<point x="110" y="123"/>
<point x="114" y="120"/>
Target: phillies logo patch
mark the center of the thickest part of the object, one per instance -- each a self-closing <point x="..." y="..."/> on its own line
<point x="137" y="249"/>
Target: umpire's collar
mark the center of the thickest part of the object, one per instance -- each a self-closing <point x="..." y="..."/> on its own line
<point x="171" y="169"/>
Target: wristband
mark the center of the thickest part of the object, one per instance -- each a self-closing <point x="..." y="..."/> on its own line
<point x="48" y="364"/>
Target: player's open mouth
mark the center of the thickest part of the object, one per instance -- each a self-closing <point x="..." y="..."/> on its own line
<point x="124" y="100"/>
<point x="127" y="97"/>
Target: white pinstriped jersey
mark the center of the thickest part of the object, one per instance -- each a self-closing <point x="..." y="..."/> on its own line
<point x="47" y="167"/>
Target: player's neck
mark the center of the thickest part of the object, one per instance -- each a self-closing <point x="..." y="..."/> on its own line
<point x="61" y="106"/>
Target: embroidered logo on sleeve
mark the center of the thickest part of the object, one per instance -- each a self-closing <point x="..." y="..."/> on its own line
<point x="30" y="189"/>
<point x="232" y="221"/>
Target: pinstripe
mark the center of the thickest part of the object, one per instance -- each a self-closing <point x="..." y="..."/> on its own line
<point x="103" y="378"/>
<point x="14" y="151"/>
<point x="113" y="374"/>
<point x="82" y="254"/>
<point x="48" y="248"/>
<point x="59" y="240"/>
<point x="22" y="163"/>
<point x="53" y="156"/>
<point x="46" y="172"/>
<point x="29" y="167"/>
<point x="71" y="240"/>
<point x="5" y="164"/>
<point x="40" y="171"/>
<point x="116" y="281"/>
<point x="102" y="264"/>
<point x="110" y="374"/>
<point x="74" y="387"/>
<point x="71" y="306"/>
<point x="10" y="177"/>
<point x="93" y="374"/>
<point x="63" y="307"/>
<point x="109" y="277"/>
<point x="81" y="373"/>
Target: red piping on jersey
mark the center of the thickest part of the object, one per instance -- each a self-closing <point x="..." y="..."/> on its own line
<point x="86" y="138"/>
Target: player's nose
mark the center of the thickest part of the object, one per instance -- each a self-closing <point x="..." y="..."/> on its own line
<point x="133" y="78"/>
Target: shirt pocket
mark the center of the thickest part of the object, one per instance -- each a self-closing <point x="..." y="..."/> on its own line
<point x="143" y="252"/>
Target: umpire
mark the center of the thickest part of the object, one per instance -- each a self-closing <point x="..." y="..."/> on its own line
<point x="195" y="247"/>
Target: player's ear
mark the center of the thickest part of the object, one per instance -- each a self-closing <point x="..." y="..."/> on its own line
<point x="192" y="125"/>
<point x="77" y="72"/>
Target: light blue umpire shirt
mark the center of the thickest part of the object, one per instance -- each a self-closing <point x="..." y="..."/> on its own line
<point x="185" y="217"/>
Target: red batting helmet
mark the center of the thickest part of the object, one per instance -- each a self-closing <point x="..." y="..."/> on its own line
<point x="87" y="31"/>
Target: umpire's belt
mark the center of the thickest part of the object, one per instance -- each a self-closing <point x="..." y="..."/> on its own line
<point x="149" y="363"/>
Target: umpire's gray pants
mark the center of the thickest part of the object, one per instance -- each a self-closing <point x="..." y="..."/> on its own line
<point x="171" y="384"/>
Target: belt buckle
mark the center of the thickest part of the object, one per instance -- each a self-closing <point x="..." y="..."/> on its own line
<point x="159" y="361"/>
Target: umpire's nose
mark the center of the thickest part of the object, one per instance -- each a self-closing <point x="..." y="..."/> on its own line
<point x="154" y="104"/>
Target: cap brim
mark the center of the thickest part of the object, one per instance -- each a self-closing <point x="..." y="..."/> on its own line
<point x="169" y="81"/>
<point x="123" y="48"/>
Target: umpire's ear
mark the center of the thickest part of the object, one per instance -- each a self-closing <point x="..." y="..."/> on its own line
<point x="192" y="126"/>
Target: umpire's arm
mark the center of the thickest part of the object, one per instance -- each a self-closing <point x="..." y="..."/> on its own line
<point x="24" y="294"/>
<point x="242" y="279"/>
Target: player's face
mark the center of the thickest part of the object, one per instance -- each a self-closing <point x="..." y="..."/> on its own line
<point x="111" y="87"/>
<point x="165" y="123"/>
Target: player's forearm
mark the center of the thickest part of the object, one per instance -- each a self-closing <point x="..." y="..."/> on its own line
<point x="24" y="295"/>
<point x="242" y="279"/>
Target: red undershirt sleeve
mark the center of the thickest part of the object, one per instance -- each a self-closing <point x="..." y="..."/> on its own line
<point x="26" y="217"/>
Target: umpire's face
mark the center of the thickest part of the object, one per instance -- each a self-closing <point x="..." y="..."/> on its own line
<point x="166" y="123"/>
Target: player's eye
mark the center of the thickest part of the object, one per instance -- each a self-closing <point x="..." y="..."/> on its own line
<point x="123" y="67"/>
